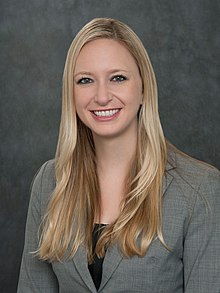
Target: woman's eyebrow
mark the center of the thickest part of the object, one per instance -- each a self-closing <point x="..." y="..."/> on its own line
<point x="82" y="73"/>
<point x="118" y="70"/>
<point x="110" y="71"/>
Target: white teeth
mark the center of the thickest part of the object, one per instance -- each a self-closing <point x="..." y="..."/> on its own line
<point x="107" y="113"/>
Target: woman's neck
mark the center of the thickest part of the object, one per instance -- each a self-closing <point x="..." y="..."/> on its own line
<point x="114" y="158"/>
<point x="114" y="153"/>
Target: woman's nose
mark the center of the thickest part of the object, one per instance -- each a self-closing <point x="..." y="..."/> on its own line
<point x="102" y="95"/>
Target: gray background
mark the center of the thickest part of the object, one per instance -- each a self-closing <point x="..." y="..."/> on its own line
<point x="182" y="39"/>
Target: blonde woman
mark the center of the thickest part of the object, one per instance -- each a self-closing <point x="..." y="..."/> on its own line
<point x="119" y="209"/>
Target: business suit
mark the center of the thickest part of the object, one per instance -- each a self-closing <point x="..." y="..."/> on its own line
<point x="191" y="228"/>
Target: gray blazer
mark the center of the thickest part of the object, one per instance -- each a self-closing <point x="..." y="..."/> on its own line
<point x="191" y="228"/>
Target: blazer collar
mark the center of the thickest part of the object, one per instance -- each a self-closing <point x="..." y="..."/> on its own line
<point x="81" y="263"/>
<point x="111" y="262"/>
<point x="167" y="178"/>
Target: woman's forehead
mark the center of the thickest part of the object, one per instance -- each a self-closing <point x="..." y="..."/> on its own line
<point x="105" y="52"/>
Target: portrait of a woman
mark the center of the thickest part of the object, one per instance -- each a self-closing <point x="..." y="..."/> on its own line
<point x="119" y="209"/>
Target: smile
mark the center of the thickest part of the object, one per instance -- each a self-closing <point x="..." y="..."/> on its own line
<point x="106" y="113"/>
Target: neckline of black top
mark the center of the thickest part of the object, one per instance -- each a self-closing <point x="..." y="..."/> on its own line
<point x="95" y="268"/>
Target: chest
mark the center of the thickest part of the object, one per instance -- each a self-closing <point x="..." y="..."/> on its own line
<point x="159" y="271"/>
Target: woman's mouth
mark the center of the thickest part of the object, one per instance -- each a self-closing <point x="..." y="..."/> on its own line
<point x="106" y="113"/>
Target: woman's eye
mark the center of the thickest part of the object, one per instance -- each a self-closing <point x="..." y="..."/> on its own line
<point x="84" y="80"/>
<point x="118" y="78"/>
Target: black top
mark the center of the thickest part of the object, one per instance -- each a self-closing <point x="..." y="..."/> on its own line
<point x="95" y="268"/>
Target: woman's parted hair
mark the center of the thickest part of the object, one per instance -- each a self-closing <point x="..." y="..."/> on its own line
<point x="75" y="202"/>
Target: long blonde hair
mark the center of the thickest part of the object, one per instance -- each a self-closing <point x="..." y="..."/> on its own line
<point x="75" y="202"/>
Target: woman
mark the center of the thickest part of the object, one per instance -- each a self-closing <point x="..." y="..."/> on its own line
<point x="119" y="210"/>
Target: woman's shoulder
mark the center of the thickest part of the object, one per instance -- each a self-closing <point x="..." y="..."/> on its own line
<point x="43" y="183"/>
<point x="45" y="174"/>
<point x="190" y="171"/>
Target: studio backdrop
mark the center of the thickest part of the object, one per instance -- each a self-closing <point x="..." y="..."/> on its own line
<point x="182" y="39"/>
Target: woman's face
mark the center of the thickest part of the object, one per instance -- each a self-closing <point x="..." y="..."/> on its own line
<point x="107" y="88"/>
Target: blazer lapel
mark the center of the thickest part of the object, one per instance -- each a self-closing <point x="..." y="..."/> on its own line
<point x="111" y="261"/>
<point x="81" y="263"/>
<point x="167" y="178"/>
<point x="110" y="264"/>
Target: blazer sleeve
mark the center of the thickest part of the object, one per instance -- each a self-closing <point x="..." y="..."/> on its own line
<point x="202" y="242"/>
<point x="36" y="276"/>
